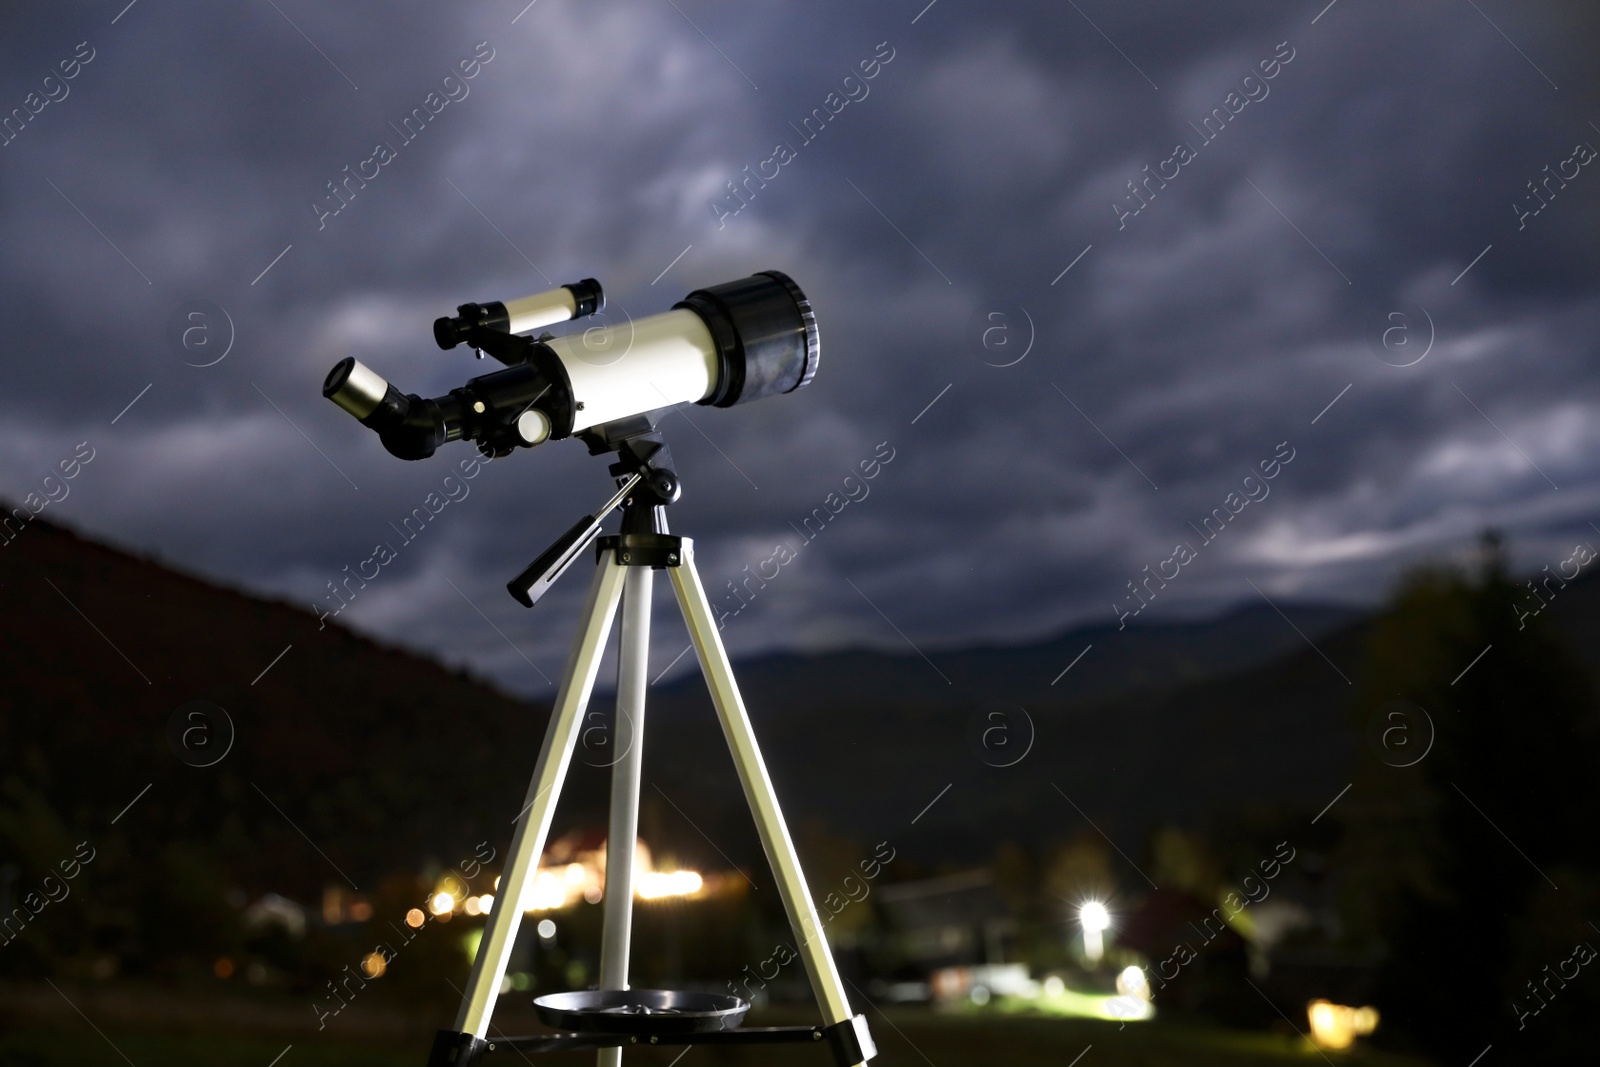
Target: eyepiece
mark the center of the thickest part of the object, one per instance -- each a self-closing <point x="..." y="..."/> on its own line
<point x="355" y="387"/>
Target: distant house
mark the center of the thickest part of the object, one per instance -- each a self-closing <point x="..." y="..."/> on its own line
<point x="952" y="920"/>
<point x="272" y="910"/>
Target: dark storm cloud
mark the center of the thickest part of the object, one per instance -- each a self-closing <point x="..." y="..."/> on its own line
<point x="959" y="181"/>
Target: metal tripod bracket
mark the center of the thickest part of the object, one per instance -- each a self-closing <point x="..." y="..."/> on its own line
<point x="645" y="480"/>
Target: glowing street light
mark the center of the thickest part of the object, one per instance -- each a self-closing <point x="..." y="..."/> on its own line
<point x="652" y="885"/>
<point x="1336" y="1026"/>
<point x="1095" y="920"/>
<point x="1131" y="983"/>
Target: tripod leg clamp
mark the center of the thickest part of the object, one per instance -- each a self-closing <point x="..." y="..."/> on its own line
<point x="452" y="1048"/>
<point x="851" y="1041"/>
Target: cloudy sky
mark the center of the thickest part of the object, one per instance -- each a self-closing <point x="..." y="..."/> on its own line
<point x="1347" y="266"/>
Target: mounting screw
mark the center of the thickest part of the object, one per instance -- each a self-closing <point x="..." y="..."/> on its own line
<point x="672" y="557"/>
<point x="580" y="405"/>
<point x="477" y="405"/>
<point x="816" y="1035"/>
<point x="653" y="1039"/>
<point x="626" y="557"/>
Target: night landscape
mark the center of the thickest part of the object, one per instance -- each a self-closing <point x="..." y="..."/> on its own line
<point x="1157" y="569"/>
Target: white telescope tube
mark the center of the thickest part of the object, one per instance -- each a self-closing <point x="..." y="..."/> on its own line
<point x="633" y="367"/>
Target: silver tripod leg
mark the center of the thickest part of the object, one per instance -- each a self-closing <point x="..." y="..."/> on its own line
<point x="633" y="659"/>
<point x="533" y="824"/>
<point x="758" y="791"/>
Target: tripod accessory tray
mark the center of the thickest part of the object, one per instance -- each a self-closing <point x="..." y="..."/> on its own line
<point x="848" y="1041"/>
<point x="640" y="1011"/>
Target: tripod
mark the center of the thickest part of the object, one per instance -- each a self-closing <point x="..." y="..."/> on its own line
<point x="615" y="1016"/>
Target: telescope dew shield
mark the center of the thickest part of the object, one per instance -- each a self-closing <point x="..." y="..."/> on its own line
<point x="523" y="315"/>
<point x="766" y="335"/>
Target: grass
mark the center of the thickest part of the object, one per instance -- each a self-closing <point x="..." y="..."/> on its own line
<point x="905" y="1037"/>
<point x="49" y="1048"/>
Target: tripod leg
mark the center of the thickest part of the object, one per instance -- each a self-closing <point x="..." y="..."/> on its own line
<point x="533" y="824"/>
<point x="633" y="661"/>
<point x="758" y="790"/>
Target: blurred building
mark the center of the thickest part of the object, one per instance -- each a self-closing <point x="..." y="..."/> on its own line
<point x="947" y="935"/>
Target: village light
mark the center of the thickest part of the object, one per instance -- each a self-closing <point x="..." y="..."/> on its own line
<point x="1336" y="1026"/>
<point x="656" y="884"/>
<point x="1131" y="982"/>
<point x="1095" y="920"/>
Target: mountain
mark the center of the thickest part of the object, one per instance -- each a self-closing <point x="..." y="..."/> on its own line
<point x="352" y="759"/>
<point x="1171" y="722"/>
<point x="373" y="755"/>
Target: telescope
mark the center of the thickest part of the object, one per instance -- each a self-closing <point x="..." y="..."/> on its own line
<point x="607" y="386"/>
<point x="719" y="346"/>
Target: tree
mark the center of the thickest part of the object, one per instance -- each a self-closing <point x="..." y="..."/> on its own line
<point x="1473" y="797"/>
